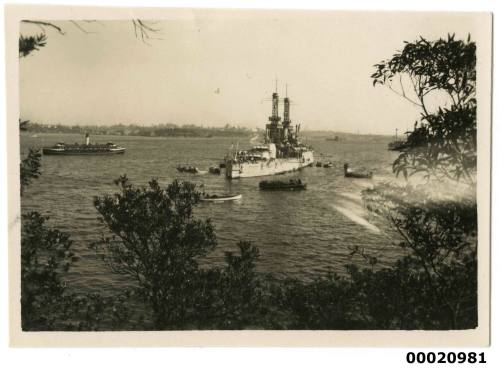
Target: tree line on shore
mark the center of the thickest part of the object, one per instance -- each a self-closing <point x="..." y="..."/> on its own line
<point x="153" y="239"/>
<point x="162" y="130"/>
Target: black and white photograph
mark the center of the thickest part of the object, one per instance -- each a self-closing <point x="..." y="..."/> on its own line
<point x="251" y="170"/>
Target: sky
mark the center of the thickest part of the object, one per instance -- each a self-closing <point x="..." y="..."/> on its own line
<point x="214" y="68"/>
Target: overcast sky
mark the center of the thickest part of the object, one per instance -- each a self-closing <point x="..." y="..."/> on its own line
<point x="219" y="67"/>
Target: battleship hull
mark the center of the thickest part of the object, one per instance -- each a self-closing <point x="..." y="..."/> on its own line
<point x="235" y="169"/>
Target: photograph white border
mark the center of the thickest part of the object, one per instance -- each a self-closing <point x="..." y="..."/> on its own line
<point x="476" y="337"/>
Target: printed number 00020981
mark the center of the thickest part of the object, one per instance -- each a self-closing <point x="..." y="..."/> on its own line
<point x="445" y="357"/>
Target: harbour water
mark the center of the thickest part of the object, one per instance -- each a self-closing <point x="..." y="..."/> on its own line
<point x="299" y="234"/>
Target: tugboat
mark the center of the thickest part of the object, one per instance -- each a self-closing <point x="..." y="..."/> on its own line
<point x="280" y="153"/>
<point x="279" y="185"/>
<point x="83" y="149"/>
<point x="349" y="173"/>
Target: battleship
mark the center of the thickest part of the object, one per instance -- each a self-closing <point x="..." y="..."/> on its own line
<point x="83" y="149"/>
<point x="281" y="152"/>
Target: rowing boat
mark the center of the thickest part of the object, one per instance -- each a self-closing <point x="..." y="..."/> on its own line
<point x="220" y="198"/>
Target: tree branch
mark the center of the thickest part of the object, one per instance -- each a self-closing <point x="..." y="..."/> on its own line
<point x="45" y="24"/>
<point x="403" y="95"/>
<point x="75" y="23"/>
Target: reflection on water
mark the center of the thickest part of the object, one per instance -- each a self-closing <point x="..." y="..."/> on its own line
<point x="299" y="234"/>
<point x="356" y="217"/>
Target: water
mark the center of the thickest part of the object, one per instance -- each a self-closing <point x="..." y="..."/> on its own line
<point x="299" y="234"/>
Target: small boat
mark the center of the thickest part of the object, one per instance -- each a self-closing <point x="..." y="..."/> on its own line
<point x="397" y="145"/>
<point x="349" y="173"/>
<point x="214" y="170"/>
<point x="319" y="164"/>
<point x="279" y="185"/>
<point x="328" y="164"/>
<point x="188" y="169"/>
<point x="219" y="198"/>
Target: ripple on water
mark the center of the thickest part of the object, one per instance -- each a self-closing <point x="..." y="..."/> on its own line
<point x="299" y="234"/>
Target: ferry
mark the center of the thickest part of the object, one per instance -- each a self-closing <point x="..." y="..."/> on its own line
<point x="83" y="149"/>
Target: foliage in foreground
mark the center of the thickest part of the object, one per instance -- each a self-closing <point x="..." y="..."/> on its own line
<point x="46" y="304"/>
<point x="157" y="241"/>
<point x="443" y="142"/>
<point x="30" y="168"/>
<point x="154" y="238"/>
<point x="436" y="221"/>
<point x="28" y="44"/>
<point x="433" y="287"/>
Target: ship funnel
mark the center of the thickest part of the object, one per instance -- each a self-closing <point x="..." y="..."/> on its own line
<point x="87" y="139"/>
<point x="274" y="115"/>
<point x="286" y="113"/>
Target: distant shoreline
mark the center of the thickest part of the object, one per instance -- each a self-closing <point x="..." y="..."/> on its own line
<point x="322" y="135"/>
<point x="172" y="130"/>
<point x="56" y="134"/>
<point x="168" y="131"/>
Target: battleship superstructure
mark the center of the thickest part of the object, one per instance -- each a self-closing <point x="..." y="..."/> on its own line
<point x="281" y="151"/>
